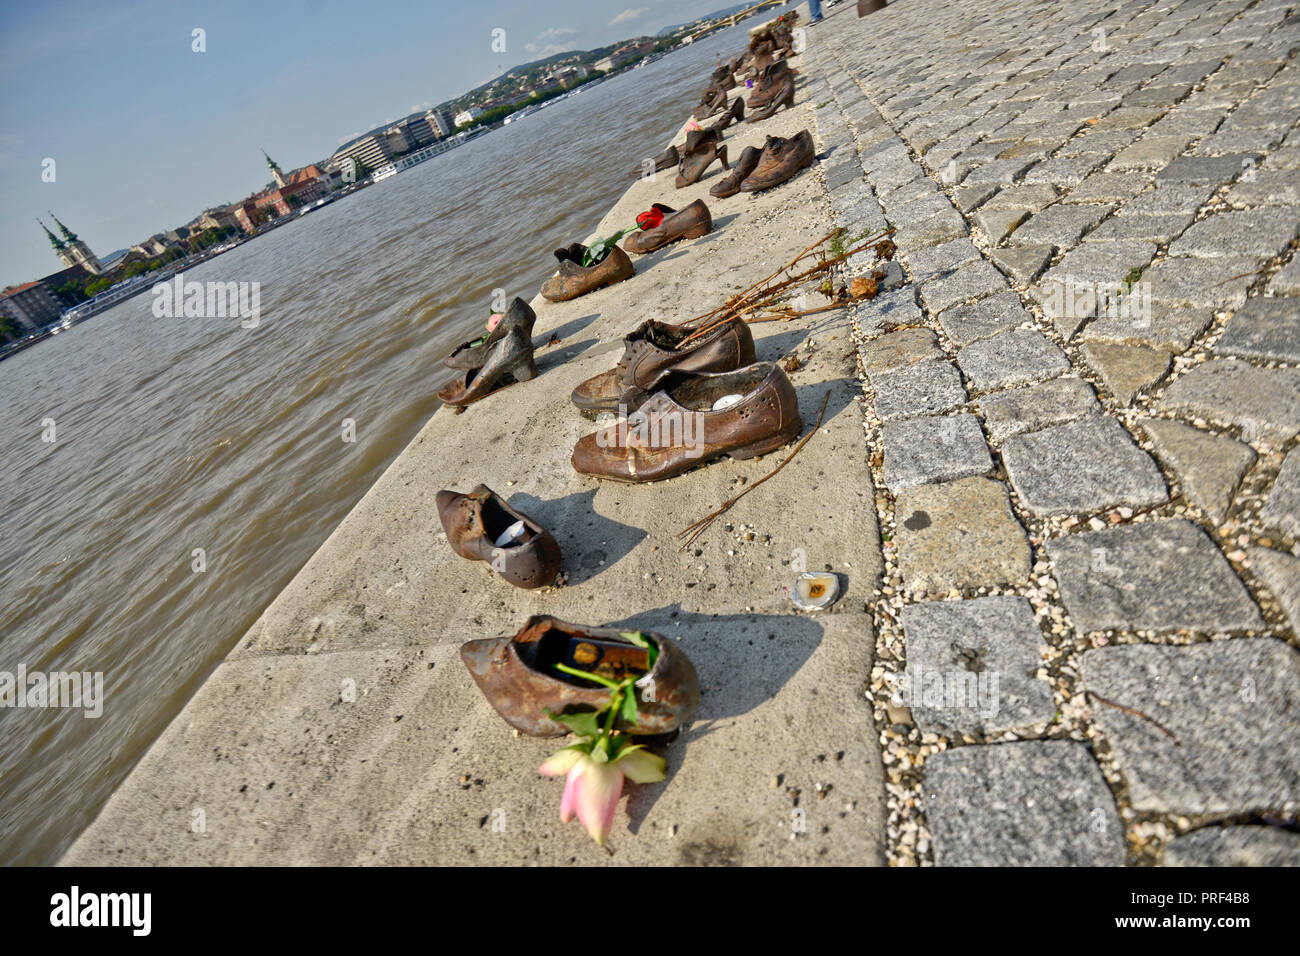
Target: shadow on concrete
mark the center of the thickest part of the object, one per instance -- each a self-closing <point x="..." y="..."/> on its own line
<point x="743" y="661"/>
<point x="589" y="542"/>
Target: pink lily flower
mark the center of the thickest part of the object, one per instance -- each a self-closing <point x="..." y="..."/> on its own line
<point x="592" y="786"/>
<point x="494" y="320"/>
<point x="692" y="125"/>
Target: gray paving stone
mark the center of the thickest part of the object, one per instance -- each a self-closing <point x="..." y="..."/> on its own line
<point x="1031" y="197"/>
<point x="1203" y="170"/>
<point x="1081" y="467"/>
<point x="1150" y="152"/>
<point x="1060" y="225"/>
<point x="970" y="281"/>
<point x="1023" y="264"/>
<point x="1262" y="233"/>
<point x="997" y="171"/>
<point x="891" y="308"/>
<point x="1064" y="170"/>
<point x="1164" y="575"/>
<point x="1162" y="328"/>
<point x="999" y="223"/>
<point x="1126" y="369"/>
<point x="1108" y="187"/>
<point x="1231" y="707"/>
<point x="1265" y="402"/>
<point x="971" y="664"/>
<point x="1139" y="226"/>
<point x="1263" y="328"/>
<point x="1014" y="357"/>
<point x="935" y="261"/>
<point x="1127" y="117"/>
<point x="1037" y="407"/>
<point x="1282" y="509"/>
<point x="1208" y="466"/>
<point x="1031" y="803"/>
<point x="1267" y="187"/>
<point x="897" y="350"/>
<point x="940" y="227"/>
<point x="1280" y="573"/>
<point x="1234" y="846"/>
<point x="1286" y="281"/>
<point x="918" y="209"/>
<point x="980" y="320"/>
<point x="1107" y="263"/>
<point x="1214" y="283"/>
<point x="968" y="198"/>
<point x="925" y="388"/>
<point x="1169" y="200"/>
<point x="921" y="451"/>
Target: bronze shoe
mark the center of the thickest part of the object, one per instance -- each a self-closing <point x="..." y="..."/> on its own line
<point x="475" y="522"/>
<point x="771" y="83"/>
<point x="713" y="101"/>
<point x="781" y="159"/>
<point x="742" y="168"/>
<point x="722" y="78"/>
<point x="509" y="361"/>
<point x="701" y="149"/>
<point x="575" y="279"/>
<point x="689" y="223"/>
<point x="665" y="160"/>
<point x="653" y="349"/>
<point x="679" y="427"/>
<point x="784" y="96"/>
<point x="517" y="675"/>
<point x="573" y="252"/>
<point x="469" y="355"/>
<point x="734" y="114"/>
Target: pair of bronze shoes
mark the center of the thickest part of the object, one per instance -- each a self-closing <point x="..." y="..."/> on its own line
<point x="782" y="158"/>
<point x="693" y="418"/>
<point x="506" y="361"/>
<point x="480" y="526"/>
<point x="691" y="222"/>
<point x="702" y="147"/>
<point x="653" y="349"/>
<point x="519" y="678"/>
<point x="574" y="279"/>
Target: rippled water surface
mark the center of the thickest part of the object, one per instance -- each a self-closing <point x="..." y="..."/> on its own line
<point x="177" y="434"/>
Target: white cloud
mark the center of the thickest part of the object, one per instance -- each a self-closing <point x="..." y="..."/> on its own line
<point x="629" y="14"/>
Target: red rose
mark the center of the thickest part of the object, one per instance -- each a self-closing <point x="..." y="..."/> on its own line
<point x="650" y="218"/>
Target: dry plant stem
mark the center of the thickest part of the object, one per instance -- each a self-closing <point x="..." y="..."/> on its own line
<point x="1136" y="713"/>
<point x="698" y="528"/>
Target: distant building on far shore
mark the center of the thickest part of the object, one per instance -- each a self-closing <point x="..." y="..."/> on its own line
<point x="71" y="250"/>
<point x="468" y="115"/>
<point x="440" y="122"/>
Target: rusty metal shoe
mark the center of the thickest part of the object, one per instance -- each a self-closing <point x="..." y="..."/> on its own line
<point x="722" y="78"/>
<point x="480" y="526"/>
<point x="769" y="84"/>
<point x="665" y="160"/>
<point x="517" y="675"/>
<point x="575" y="279"/>
<point x="735" y="113"/>
<point x="471" y="356"/>
<point x="689" y="223"/>
<point x="713" y="101"/>
<point x="702" y="147"/>
<point x="783" y="96"/>
<point x="691" y="419"/>
<point x="742" y="168"/>
<point x="509" y="361"/>
<point x="652" y="350"/>
<point x="573" y="252"/>
<point x="781" y="160"/>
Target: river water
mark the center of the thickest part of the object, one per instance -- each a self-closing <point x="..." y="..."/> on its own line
<point x="177" y="434"/>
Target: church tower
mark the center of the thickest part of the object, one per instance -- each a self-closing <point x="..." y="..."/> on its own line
<point x="71" y="250"/>
<point x="280" y="181"/>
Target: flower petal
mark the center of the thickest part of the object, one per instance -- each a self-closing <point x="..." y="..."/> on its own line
<point x="598" y="789"/>
<point x="570" y="799"/>
<point x="640" y="765"/>
<point x="561" y="762"/>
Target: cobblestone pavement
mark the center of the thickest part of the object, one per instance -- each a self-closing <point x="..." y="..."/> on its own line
<point x="1082" y="409"/>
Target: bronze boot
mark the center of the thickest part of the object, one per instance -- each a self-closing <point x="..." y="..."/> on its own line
<point x="469" y="355"/>
<point x="689" y="223"/>
<point x="713" y="101"/>
<point x="480" y="526"/>
<point x="770" y="84"/>
<point x="575" y="279"/>
<point x="701" y="149"/>
<point x="693" y="418"/>
<point x="784" y="96"/>
<point x="518" y="676"/>
<point x="742" y="168"/>
<point x="781" y="159"/>
<point x="665" y="160"/>
<point x="509" y="361"/>
<point x="654" y="349"/>
<point x="735" y="113"/>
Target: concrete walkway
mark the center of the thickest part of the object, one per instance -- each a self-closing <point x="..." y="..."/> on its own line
<point x="1087" y="651"/>
<point x="344" y="728"/>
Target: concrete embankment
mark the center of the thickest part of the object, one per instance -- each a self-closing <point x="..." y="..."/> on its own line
<point x="276" y="761"/>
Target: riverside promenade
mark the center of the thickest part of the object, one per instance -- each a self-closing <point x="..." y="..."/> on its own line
<point x="1083" y="516"/>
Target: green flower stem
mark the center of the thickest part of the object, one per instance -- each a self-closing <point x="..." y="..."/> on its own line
<point x="589" y="676"/>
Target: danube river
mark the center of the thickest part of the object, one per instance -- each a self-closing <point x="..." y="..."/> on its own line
<point x="184" y="443"/>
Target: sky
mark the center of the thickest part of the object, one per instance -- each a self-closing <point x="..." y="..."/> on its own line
<point x="145" y="132"/>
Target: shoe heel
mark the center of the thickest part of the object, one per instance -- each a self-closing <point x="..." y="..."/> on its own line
<point x="765" y="445"/>
<point x="525" y="371"/>
<point x="722" y="155"/>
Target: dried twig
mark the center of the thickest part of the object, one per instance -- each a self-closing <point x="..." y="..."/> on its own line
<point x="1136" y="713"/>
<point x="697" y="528"/>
